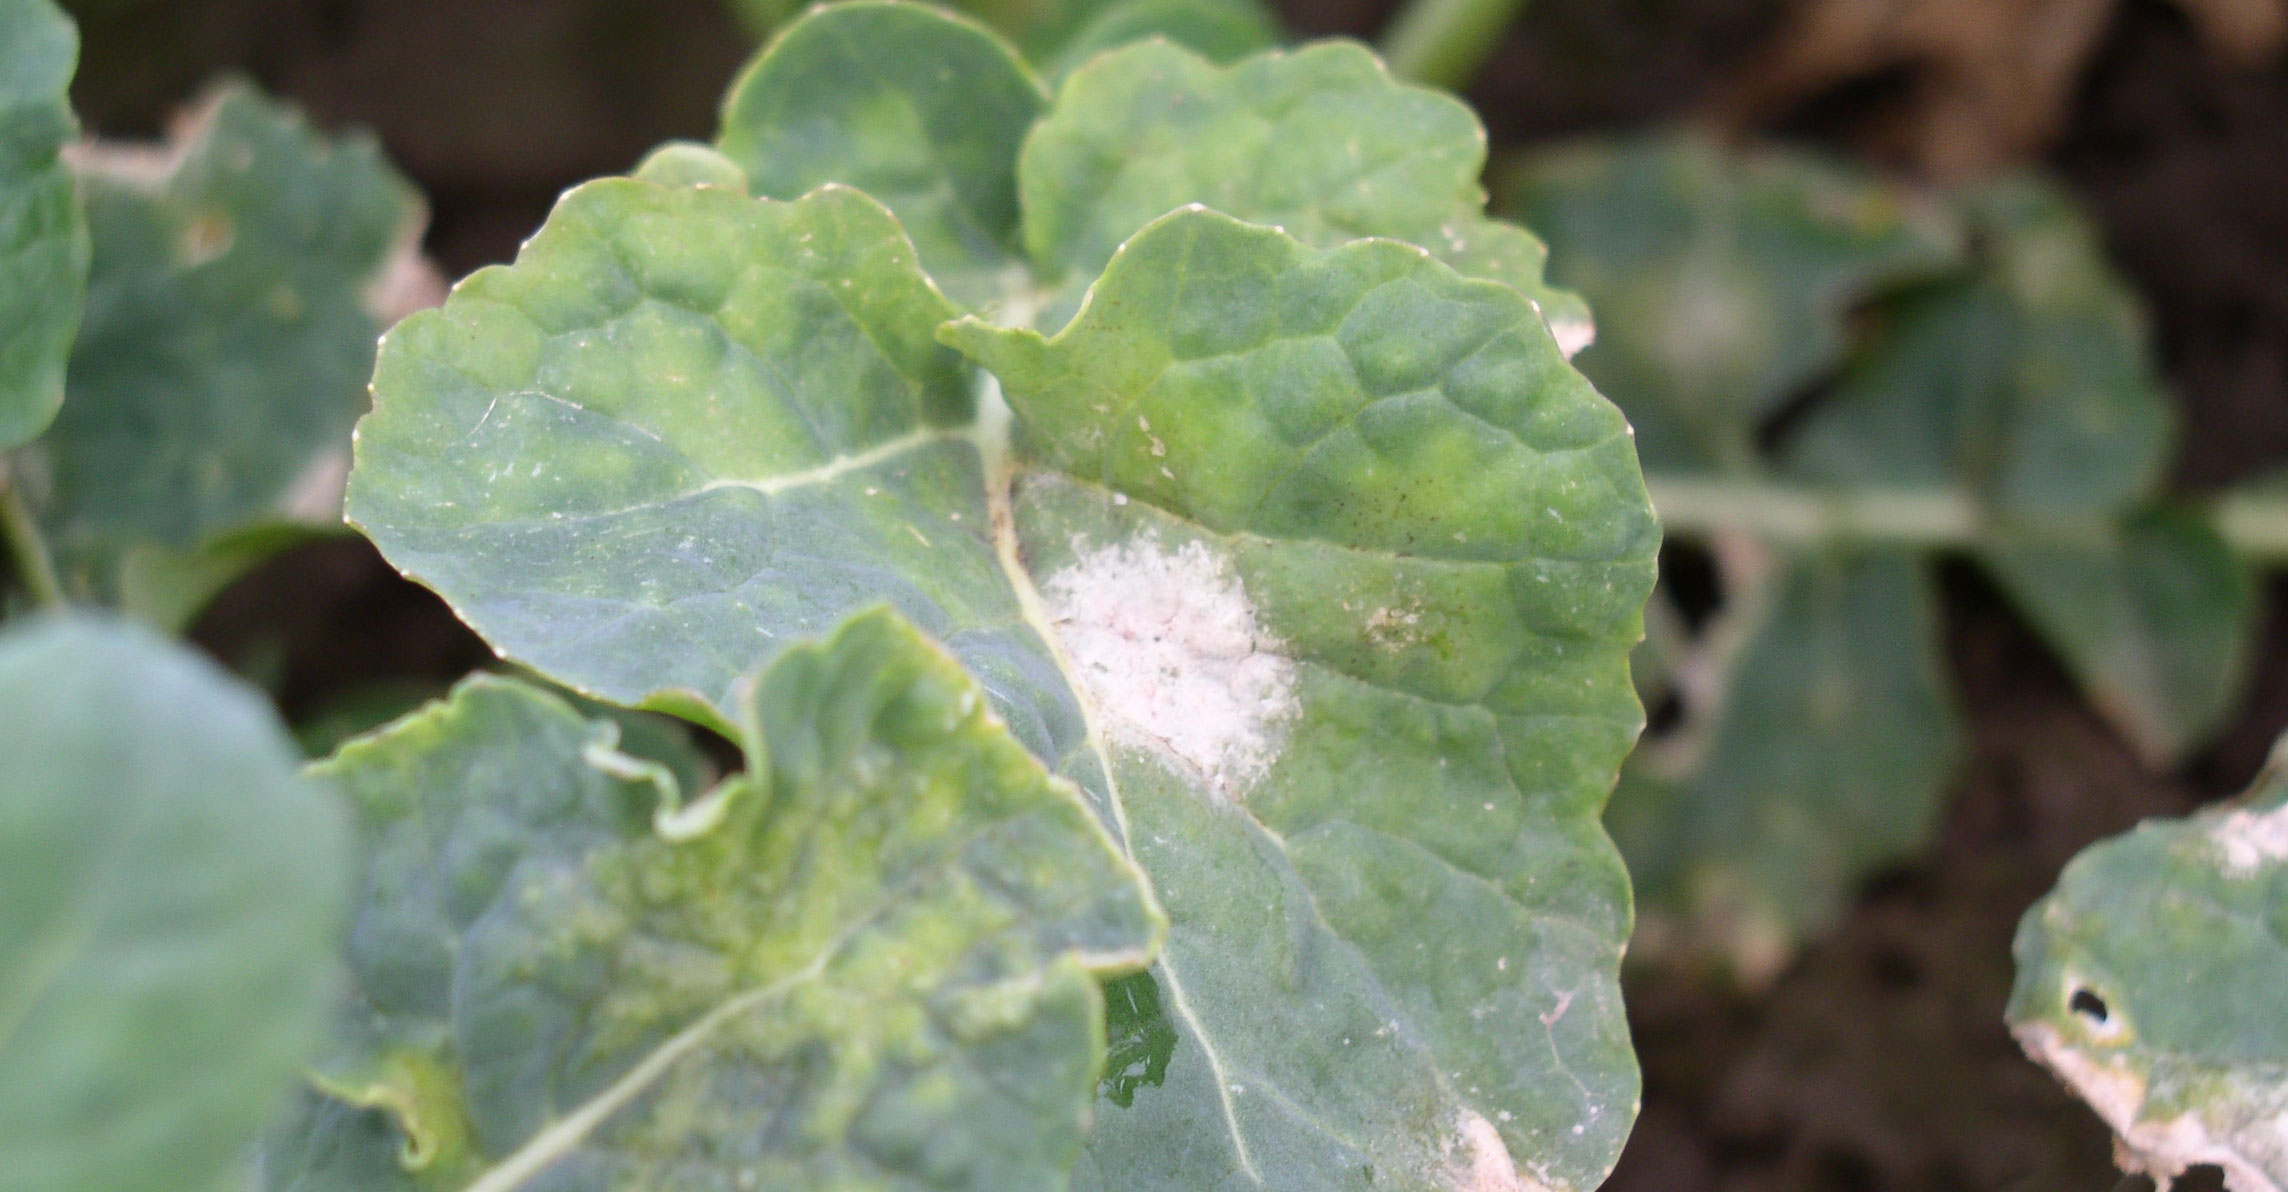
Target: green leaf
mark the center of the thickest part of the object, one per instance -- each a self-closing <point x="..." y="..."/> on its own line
<point x="687" y="427"/>
<point x="1388" y="516"/>
<point x="921" y="109"/>
<point x="1060" y="34"/>
<point x="43" y="236"/>
<point x="2149" y="981"/>
<point x="2031" y="382"/>
<point x="233" y="305"/>
<point x="1816" y="746"/>
<point x="1723" y="280"/>
<point x="2032" y="385"/>
<point x="1221" y="31"/>
<point x="1322" y="142"/>
<point x="169" y="892"/>
<point x="2154" y="621"/>
<point x="869" y="968"/>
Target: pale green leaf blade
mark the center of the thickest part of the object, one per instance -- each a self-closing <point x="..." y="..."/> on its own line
<point x="1820" y="757"/>
<point x="1721" y="281"/>
<point x="873" y="973"/>
<point x="684" y="428"/>
<point x="233" y="305"/>
<point x="1347" y="562"/>
<point x="1320" y="141"/>
<point x="918" y="107"/>
<point x="2031" y="381"/>
<point x="43" y="235"/>
<point x="170" y="887"/>
<point x="2153" y="620"/>
<point x="2149" y="981"/>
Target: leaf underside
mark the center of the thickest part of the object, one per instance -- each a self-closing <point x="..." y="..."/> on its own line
<point x="234" y="300"/>
<point x="170" y="891"/>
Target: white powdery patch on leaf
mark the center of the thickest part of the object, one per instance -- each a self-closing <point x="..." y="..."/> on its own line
<point x="2251" y="838"/>
<point x="1573" y="335"/>
<point x="2164" y="1148"/>
<point x="1477" y="1160"/>
<point x="1169" y="650"/>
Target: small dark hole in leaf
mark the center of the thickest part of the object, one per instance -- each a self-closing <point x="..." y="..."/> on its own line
<point x="2201" y="1177"/>
<point x="2089" y="1006"/>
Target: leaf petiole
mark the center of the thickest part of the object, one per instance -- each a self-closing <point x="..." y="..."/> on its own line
<point x="27" y="547"/>
<point x="1444" y="42"/>
<point x="2254" y="523"/>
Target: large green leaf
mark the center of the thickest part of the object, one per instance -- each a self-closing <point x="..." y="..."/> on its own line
<point x="43" y="236"/>
<point x="870" y="966"/>
<point x="232" y="311"/>
<point x="1723" y="281"/>
<point x="2149" y="981"/>
<point x="1322" y="142"/>
<point x="169" y="892"/>
<point x="1816" y="741"/>
<point x="1825" y="367"/>
<point x="2031" y="385"/>
<point x="2031" y="381"/>
<point x="1407" y="548"/>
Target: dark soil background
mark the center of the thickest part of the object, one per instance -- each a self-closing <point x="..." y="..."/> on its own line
<point x="1878" y="1060"/>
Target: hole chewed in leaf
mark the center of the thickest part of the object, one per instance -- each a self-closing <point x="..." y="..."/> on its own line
<point x="2090" y="1006"/>
<point x="1168" y="645"/>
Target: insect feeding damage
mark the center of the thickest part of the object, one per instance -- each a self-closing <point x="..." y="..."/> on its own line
<point x="1169" y="649"/>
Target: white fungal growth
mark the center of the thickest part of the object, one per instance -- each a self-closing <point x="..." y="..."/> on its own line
<point x="2248" y="1141"/>
<point x="1168" y="647"/>
<point x="2251" y="838"/>
<point x="1478" y="1160"/>
<point x="1573" y="335"/>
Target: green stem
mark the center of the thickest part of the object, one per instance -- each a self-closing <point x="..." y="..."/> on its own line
<point x="1444" y="42"/>
<point x="26" y="546"/>
<point x="2255" y="524"/>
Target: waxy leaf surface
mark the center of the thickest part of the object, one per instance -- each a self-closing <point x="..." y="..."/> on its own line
<point x="872" y="968"/>
<point x="1316" y="570"/>
<point x="2149" y="981"/>
<point x="921" y="110"/>
<point x="1320" y="141"/>
<point x="170" y="888"/>
<point x="43" y="236"/>
<point x="233" y="306"/>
